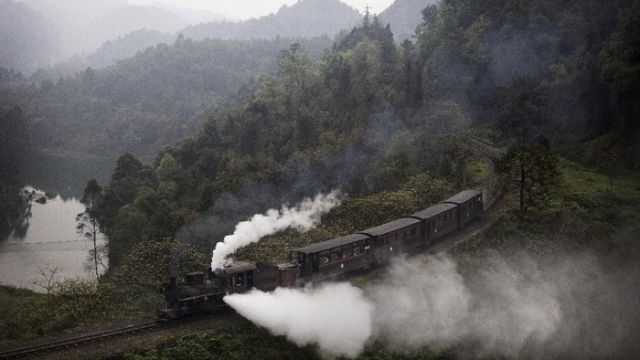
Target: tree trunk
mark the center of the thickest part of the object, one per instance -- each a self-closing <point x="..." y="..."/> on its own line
<point x="522" y="184"/>
<point x="95" y="251"/>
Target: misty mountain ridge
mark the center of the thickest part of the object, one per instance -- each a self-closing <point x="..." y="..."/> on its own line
<point x="404" y="16"/>
<point x="112" y="51"/>
<point x="306" y="18"/>
<point x="85" y="25"/>
<point x="144" y="102"/>
<point x="113" y="30"/>
<point x="27" y="38"/>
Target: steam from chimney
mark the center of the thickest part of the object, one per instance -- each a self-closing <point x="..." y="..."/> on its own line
<point x="303" y="217"/>
<point x="336" y="317"/>
<point x="513" y="309"/>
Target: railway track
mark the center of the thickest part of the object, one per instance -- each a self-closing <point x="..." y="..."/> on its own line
<point x="492" y="187"/>
<point x="145" y="326"/>
<point x="29" y="351"/>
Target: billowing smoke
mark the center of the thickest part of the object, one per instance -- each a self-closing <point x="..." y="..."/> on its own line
<point x="336" y="317"/>
<point x="513" y="308"/>
<point x="498" y="309"/>
<point x="302" y="217"/>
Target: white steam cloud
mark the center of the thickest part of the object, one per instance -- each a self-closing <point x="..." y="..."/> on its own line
<point x="515" y="309"/>
<point x="302" y="217"/>
<point x="500" y="310"/>
<point x="336" y="317"/>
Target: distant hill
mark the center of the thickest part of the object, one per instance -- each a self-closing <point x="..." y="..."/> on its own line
<point x="306" y="18"/>
<point x="108" y="54"/>
<point x="146" y="102"/>
<point x="87" y="24"/>
<point x="27" y="39"/>
<point x="192" y="16"/>
<point x="404" y="16"/>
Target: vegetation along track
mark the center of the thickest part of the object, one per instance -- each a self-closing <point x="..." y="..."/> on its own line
<point x="29" y="351"/>
<point x="493" y="189"/>
<point x="143" y="326"/>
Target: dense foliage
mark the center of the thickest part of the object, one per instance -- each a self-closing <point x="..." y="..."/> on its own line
<point x="145" y="102"/>
<point x="385" y="123"/>
<point x="369" y="115"/>
<point x="484" y="55"/>
<point x="14" y="142"/>
<point x="308" y="127"/>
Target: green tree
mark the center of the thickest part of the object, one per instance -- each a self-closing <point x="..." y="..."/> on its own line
<point x="88" y="224"/>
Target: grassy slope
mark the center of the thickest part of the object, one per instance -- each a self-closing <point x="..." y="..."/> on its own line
<point x="10" y="300"/>
<point x="590" y="210"/>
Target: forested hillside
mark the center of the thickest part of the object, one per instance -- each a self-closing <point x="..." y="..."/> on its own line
<point x="144" y="103"/>
<point x="531" y="74"/>
<point x="237" y="127"/>
<point x="108" y="54"/>
<point x="306" y="18"/>
<point x="27" y="39"/>
<point x="14" y="141"/>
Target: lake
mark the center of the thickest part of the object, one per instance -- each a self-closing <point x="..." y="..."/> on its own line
<point x="50" y="240"/>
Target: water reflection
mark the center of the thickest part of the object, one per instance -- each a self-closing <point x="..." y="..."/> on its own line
<point x="46" y="237"/>
<point x="65" y="174"/>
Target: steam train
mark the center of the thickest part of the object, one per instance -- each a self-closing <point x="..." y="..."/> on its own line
<point x="325" y="260"/>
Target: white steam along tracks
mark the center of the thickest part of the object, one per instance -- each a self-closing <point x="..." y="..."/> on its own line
<point x="492" y="193"/>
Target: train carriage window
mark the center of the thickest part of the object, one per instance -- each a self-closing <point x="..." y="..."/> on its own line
<point x="324" y="258"/>
<point x="357" y="250"/>
<point x="347" y="250"/>
<point x="413" y="231"/>
<point x="336" y="255"/>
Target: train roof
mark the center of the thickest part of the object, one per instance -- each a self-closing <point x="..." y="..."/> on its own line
<point x="463" y="196"/>
<point x="239" y="267"/>
<point x="331" y="244"/>
<point x="433" y="211"/>
<point x="390" y="227"/>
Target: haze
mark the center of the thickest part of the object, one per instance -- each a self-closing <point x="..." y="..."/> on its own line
<point x="245" y="9"/>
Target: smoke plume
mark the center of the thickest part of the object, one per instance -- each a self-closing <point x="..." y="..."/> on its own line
<point x="336" y="317"/>
<point x="491" y="307"/>
<point x="302" y="217"/>
<point x="498" y="309"/>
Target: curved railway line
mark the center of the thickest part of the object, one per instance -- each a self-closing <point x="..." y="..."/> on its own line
<point x="492" y="186"/>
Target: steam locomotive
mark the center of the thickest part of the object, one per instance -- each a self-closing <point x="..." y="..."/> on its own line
<point x="324" y="260"/>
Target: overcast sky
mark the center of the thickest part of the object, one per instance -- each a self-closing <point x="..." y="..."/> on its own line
<point x="244" y="9"/>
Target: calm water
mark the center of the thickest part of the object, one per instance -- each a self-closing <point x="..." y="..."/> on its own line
<point x="50" y="240"/>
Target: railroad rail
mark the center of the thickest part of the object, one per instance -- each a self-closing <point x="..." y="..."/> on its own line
<point x="493" y="186"/>
<point x="146" y="325"/>
<point x="27" y="351"/>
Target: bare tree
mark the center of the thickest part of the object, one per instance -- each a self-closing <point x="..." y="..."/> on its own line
<point x="47" y="280"/>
